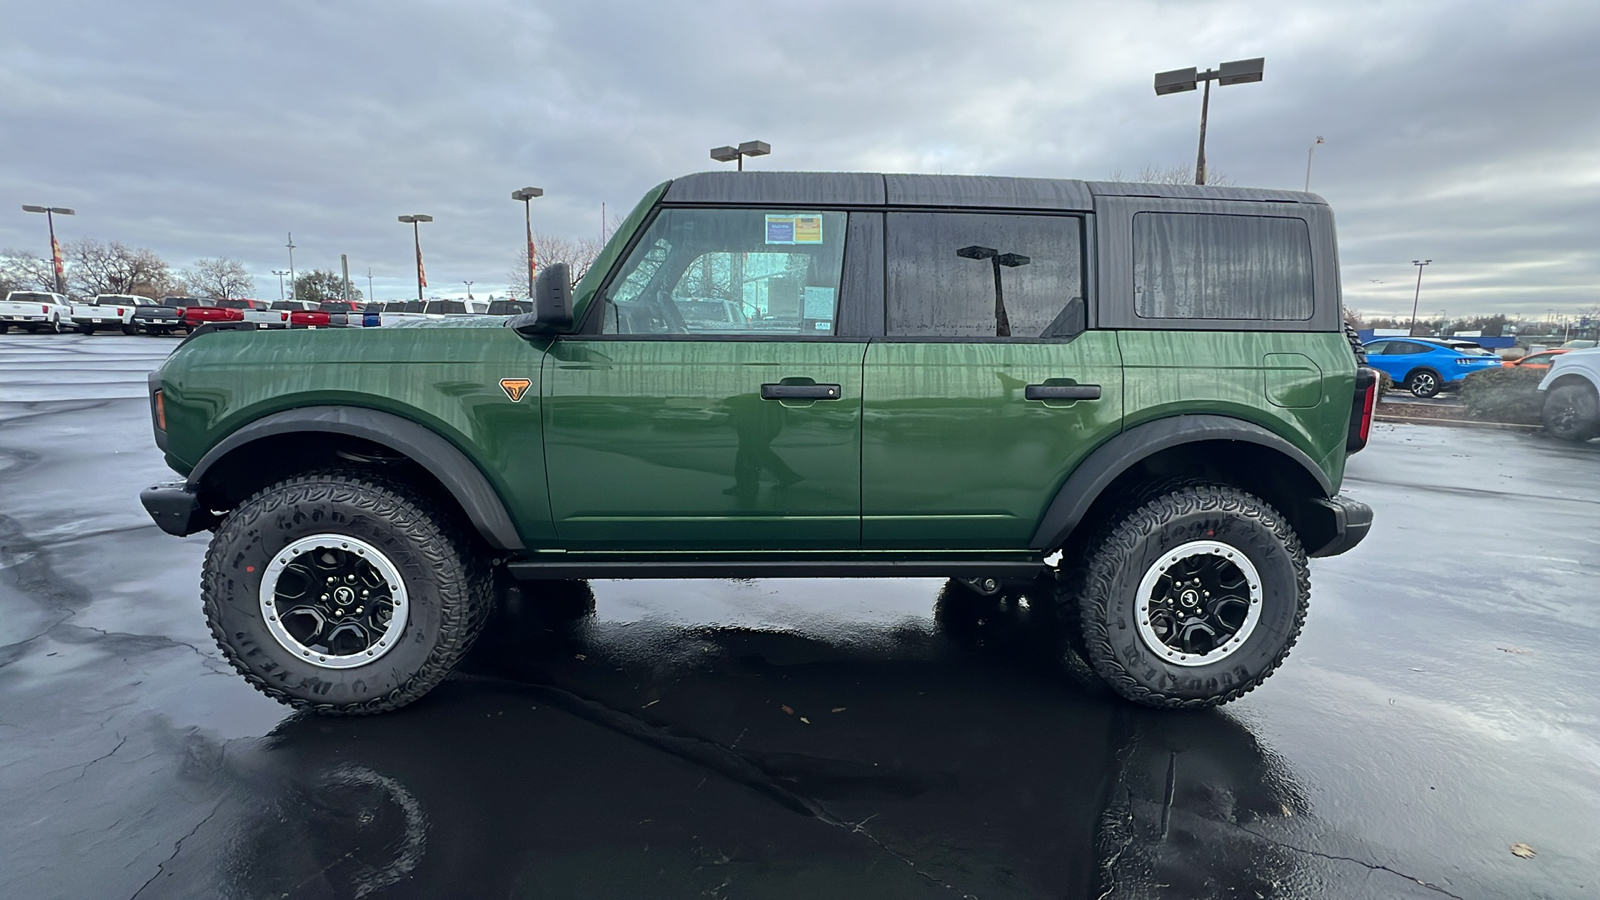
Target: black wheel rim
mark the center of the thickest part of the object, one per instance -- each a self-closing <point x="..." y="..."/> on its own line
<point x="1198" y="603"/>
<point x="334" y="601"/>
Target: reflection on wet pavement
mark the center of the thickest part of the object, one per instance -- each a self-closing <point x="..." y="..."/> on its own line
<point x="893" y="738"/>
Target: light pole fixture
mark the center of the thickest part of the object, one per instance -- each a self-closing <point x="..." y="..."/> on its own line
<point x="748" y="148"/>
<point x="1309" y="152"/>
<point x="50" y="213"/>
<point x="1002" y="322"/>
<point x="1419" y="263"/>
<point x="416" y="237"/>
<point x="280" y="273"/>
<point x="1240" y="71"/>
<point x="469" y="288"/>
<point x="526" y="194"/>
<point x="294" y="287"/>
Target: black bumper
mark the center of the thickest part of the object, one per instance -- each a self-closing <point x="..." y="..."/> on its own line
<point x="1344" y="522"/>
<point x="176" y="509"/>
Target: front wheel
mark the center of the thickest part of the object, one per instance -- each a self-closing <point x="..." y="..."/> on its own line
<point x="1572" y="412"/>
<point x="1193" y="598"/>
<point x="1424" y="383"/>
<point x="343" y="593"/>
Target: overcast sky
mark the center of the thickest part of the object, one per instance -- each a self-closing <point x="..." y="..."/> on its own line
<point x="1466" y="132"/>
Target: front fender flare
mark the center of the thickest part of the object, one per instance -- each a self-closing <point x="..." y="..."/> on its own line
<point x="1116" y="456"/>
<point x="459" y="475"/>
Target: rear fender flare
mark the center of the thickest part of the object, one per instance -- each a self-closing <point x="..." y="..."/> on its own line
<point x="1123" y="452"/>
<point x="459" y="475"/>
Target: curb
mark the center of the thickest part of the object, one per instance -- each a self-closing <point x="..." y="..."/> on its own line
<point x="1458" y="423"/>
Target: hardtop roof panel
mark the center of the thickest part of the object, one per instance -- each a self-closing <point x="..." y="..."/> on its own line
<point x="1199" y="192"/>
<point x="992" y="191"/>
<point x="778" y="188"/>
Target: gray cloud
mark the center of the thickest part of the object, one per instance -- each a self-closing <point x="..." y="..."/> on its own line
<point x="1464" y="132"/>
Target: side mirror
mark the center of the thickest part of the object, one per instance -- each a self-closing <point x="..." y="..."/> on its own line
<point x="552" y="304"/>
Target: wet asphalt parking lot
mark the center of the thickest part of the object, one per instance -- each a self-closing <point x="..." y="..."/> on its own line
<point x="784" y="738"/>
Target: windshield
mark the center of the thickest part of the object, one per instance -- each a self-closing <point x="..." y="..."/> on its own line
<point x="445" y="307"/>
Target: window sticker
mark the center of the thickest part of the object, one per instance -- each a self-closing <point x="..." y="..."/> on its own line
<point x="819" y="302"/>
<point x="808" y="229"/>
<point x="794" y="229"/>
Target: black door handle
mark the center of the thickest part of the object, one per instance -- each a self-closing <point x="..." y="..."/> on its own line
<point x="1062" y="392"/>
<point x="800" y="392"/>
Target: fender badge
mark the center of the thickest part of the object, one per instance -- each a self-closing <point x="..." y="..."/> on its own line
<point x="515" y="388"/>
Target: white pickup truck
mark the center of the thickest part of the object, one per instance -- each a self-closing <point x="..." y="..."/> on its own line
<point x="35" y="311"/>
<point x="107" y="311"/>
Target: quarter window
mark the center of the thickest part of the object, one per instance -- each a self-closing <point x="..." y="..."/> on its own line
<point x="731" y="271"/>
<point x="980" y="275"/>
<point x="1211" y="266"/>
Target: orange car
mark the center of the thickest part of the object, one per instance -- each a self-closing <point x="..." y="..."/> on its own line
<point x="1540" y="360"/>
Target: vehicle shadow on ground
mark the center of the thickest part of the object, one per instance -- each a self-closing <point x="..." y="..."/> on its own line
<point x="631" y="759"/>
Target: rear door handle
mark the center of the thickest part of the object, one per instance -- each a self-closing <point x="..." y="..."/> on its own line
<point x="1062" y="392"/>
<point x="800" y="392"/>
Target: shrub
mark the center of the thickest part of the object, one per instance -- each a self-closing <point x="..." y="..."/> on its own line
<point x="1503" y="395"/>
<point x="1385" y="384"/>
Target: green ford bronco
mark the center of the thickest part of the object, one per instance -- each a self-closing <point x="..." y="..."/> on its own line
<point x="1140" y="395"/>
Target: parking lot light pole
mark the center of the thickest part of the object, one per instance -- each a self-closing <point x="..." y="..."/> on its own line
<point x="280" y="273"/>
<point x="1240" y="71"/>
<point x="416" y="237"/>
<point x="293" y="288"/>
<point x="748" y="148"/>
<point x="1309" y="154"/>
<point x="50" y="213"/>
<point x="1419" y="263"/>
<point x="469" y="288"/>
<point x="525" y="195"/>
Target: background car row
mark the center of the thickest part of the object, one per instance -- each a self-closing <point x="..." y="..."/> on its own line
<point x="40" y="311"/>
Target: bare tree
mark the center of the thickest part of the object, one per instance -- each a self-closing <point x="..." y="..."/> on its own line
<point x="112" y="268"/>
<point x="578" y="253"/>
<point x="220" y="277"/>
<point x="23" y="271"/>
<point x="1172" y="175"/>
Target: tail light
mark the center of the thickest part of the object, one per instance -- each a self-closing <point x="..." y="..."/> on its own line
<point x="230" y="315"/>
<point x="119" y="312"/>
<point x="1362" y="408"/>
<point x="45" y="310"/>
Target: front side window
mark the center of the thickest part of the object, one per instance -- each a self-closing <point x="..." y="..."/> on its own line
<point x="1212" y="266"/>
<point x="730" y="271"/>
<point x="982" y="275"/>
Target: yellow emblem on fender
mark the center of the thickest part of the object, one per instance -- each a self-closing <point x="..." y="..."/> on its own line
<point x="515" y="387"/>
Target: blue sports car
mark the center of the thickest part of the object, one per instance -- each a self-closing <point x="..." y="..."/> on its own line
<point x="1426" y="366"/>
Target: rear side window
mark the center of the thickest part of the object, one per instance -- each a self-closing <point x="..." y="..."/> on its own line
<point x="1210" y="266"/>
<point x="983" y="275"/>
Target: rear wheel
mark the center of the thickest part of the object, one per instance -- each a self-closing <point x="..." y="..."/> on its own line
<point x="58" y="327"/>
<point x="343" y="593"/>
<point x="130" y="329"/>
<point x="1572" y="412"/>
<point x="31" y="329"/>
<point x="82" y="329"/>
<point x="4" y="327"/>
<point x="1192" y="598"/>
<point x="1424" y="383"/>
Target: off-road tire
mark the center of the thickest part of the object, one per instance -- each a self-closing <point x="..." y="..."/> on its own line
<point x="1134" y="540"/>
<point x="1571" y="412"/>
<point x="447" y="580"/>
<point x="1424" y="383"/>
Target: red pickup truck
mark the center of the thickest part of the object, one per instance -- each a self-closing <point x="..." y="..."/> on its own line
<point x="235" y="309"/>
